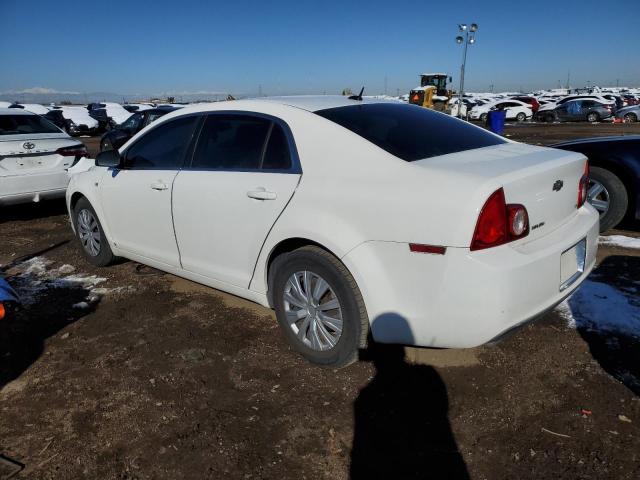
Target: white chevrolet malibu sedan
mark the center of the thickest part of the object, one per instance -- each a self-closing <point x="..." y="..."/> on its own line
<point x="353" y="220"/>
<point x="34" y="157"/>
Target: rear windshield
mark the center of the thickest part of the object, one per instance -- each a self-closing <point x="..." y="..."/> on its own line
<point x="25" y="124"/>
<point x="408" y="131"/>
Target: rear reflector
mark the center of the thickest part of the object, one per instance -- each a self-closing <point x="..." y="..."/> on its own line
<point x="420" y="248"/>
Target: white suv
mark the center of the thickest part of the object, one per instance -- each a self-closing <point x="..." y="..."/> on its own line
<point x="34" y="157"/>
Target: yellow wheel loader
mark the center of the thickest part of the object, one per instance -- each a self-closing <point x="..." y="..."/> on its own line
<point x="432" y="92"/>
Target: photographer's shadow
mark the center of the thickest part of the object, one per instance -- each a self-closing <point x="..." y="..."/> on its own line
<point x="401" y="425"/>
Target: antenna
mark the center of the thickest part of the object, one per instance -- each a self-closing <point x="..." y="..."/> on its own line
<point x="357" y="97"/>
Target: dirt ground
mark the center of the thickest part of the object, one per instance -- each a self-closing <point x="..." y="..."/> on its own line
<point x="121" y="373"/>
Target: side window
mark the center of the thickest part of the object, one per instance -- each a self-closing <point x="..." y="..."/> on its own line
<point x="231" y="142"/>
<point x="277" y="156"/>
<point x="163" y="147"/>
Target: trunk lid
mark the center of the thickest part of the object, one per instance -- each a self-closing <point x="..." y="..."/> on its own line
<point x="544" y="180"/>
<point x="41" y="157"/>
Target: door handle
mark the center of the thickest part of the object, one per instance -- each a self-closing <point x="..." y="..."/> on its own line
<point x="159" y="186"/>
<point x="262" y="194"/>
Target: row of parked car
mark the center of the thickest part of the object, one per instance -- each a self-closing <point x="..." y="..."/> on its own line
<point x="91" y="119"/>
<point x="589" y="107"/>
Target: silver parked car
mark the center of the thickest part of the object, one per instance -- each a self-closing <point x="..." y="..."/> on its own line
<point x="629" y="114"/>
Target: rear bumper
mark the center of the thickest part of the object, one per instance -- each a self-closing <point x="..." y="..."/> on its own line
<point x="463" y="298"/>
<point x="32" y="188"/>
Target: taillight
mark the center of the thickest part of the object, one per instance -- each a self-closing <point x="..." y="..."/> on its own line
<point x="499" y="223"/>
<point x="583" y="186"/>
<point x="74" y="151"/>
<point x="2" y="311"/>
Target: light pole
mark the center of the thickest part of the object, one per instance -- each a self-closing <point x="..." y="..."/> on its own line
<point x="468" y="39"/>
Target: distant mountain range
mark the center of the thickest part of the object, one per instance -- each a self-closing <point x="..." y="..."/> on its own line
<point x="45" y="96"/>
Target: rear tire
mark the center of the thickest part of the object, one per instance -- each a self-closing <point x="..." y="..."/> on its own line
<point x="91" y="237"/>
<point x="614" y="191"/>
<point x="630" y="118"/>
<point x="300" y="316"/>
<point x="550" y="118"/>
<point x="521" y="117"/>
<point x="483" y="118"/>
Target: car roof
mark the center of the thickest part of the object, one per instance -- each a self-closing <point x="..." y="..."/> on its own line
<point x="314" y="103"/>
<point x="15" y="111"/>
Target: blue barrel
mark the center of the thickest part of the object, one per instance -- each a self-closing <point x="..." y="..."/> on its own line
<point x="495" y="121"/>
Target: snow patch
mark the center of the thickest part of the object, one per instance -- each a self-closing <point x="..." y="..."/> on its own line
<point x="598" y="306"/>
<point x="621" y="241"/>
<point x="33" y="277"/>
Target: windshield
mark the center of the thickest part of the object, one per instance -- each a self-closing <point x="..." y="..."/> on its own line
<point x="25" y="124"/>
<point x="132" y="123"/>
<point x="408" y="131"/>
<point x="439" y="82"/>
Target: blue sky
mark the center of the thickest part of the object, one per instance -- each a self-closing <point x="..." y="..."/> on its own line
<point x="301" y="46"/>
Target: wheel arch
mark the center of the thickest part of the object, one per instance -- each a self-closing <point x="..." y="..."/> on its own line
<point x="285" y="246"/>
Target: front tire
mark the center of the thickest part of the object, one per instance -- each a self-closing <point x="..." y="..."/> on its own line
<point x="483" y="118"/>
<point x="91" y="237"/>
<point x="630" y="118"/>
<point x="593" y="117"/>
<point x="609" y="196"/>
<point x="319" y="306"/>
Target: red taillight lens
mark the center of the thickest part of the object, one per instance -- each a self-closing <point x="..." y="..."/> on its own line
<point x="75" y="151"/>
<point x="2" y="311"/>
<point x="499" y="223"/>
<point x="583" y="186"/>
<point x="491" y="227"/>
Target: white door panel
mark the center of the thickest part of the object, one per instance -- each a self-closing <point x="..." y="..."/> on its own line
<point x="137" y="206"/>
<point x="222" y="219"/>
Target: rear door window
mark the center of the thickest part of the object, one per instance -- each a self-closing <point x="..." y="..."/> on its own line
<point x="163" y="147"/>
<point x="410" y="132"/>
<point x="231" y="142"/>
<point x="277" y="155"/>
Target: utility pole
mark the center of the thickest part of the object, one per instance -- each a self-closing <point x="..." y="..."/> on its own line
<point x="467" y="40"/>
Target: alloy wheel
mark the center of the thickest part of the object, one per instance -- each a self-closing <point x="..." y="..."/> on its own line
<point x="313" y="310"/>
<point x="89" y="232"/>
<point x="598" y="196"/>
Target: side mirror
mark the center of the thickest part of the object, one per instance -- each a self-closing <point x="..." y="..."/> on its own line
<point x="108" y="158"/>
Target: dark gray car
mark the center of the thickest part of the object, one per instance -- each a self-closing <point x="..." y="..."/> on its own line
<point x="579" y="111"/>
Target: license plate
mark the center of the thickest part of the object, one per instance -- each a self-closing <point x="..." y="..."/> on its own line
<point x="572" y="263"/>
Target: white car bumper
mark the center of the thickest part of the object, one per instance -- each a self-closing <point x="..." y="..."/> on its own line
<point x="462" y="298"/>
<point x="32" y="187"/>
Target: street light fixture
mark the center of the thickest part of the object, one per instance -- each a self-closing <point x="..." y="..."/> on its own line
<point x="467" y="40"/>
